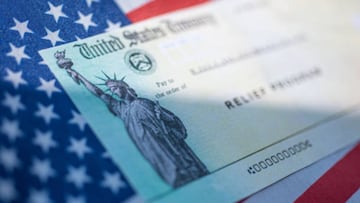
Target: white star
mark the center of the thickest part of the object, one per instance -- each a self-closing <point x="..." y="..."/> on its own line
<point x="79" y="147"/>
<point x="42" y="170"/>
<point x="7" y="190"/>
<point x="11" y="129"/>
<point x="13" y="103"/>
<point x="89" y="2"/>
<point x="85" y="20"/>
<point x="39" y="196"/>
<point x="77" y="38"/>
<point x="106" y="155"/>
<point x="48" y="87"/>
<point x="78" y="120"/>
<point x="47" y="113"/>
<point x="77" y="176"/>
<point x="44" y="140"/>
<point x="15" y="78"/>
<point x="9" y="159"/>
<point x="73" y="199"/>
<point x="112" y="26"/>
<point x="21" y="27"/>
<point x="113" y="182"/>
<point x="53" y="37"/>
<point x="42" y="62"/>
<point x="18" y="53"/>
<point x="56" y="12"/>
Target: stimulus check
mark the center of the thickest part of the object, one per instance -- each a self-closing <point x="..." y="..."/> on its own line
<point x="216" y="102"/>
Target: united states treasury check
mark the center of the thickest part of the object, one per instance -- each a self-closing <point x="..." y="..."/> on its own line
<point x="216" y="102"/>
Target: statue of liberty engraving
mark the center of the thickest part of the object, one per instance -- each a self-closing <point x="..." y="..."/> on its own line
<point x="157" y="133"/>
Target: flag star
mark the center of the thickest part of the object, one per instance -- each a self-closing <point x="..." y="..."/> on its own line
<point x="73" y="199"/>
<point x="15" y="78"/>
<point x="112" y="26"/>
<point x="48" y="87"/>
<point x="39" y="196"/>
<point x="18" y="53"/>
<point x="56" y="12"/>
<point x="79" y="147"/>
<point x="77" y="176"/>
<point x="113" y="182"/>
<point x="89" y="2"/>
<point x="21" y="28"/>
<point x="77" y="38"/>
<point x="44" y="140"/>
<point x="11" y="129"/>
<point x="9" y="159"/>
<point x="42" y="62"/>
<point x="7" y="190"/>
<point x="85" y="20"/>
<point x="106" y="155"/>
<point x="78" y="120"/>
<point x="53" y="37"/>
<point x="13" y="103"/>
<point x="47" y="113"/>
<point x="42" y="170"/>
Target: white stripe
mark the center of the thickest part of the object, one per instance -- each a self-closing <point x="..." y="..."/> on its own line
<point x="130" y="5"/>
<point x="355" y="198"/>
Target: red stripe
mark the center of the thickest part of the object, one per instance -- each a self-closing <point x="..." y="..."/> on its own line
<point x="157" y="7"/>
<point x="338" y="184"/>
<point x="242" y="201"/>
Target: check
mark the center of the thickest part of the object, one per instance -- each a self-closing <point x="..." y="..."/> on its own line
<point x="216" y="102"/>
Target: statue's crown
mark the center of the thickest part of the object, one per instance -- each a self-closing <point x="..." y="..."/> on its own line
<point x="111" y="82"/>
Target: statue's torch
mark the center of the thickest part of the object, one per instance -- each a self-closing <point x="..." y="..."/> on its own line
<point x="66" y="63"/>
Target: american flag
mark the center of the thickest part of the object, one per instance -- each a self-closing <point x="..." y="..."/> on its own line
<point x="48" y="153"/>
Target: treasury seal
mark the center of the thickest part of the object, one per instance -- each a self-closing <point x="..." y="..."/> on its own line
<point x="140" y="61"/>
